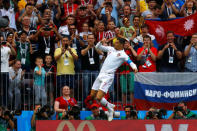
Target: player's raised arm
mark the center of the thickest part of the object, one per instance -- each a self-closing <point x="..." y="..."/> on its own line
<point x="133" y="65"/>
<point x="101" y="47"/>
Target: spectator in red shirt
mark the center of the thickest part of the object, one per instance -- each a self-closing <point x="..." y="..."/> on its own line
<point x="65" y="102"/>
<point x="147" y="56"/>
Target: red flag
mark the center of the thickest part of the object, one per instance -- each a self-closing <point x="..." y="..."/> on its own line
<point x="181" y="26"/>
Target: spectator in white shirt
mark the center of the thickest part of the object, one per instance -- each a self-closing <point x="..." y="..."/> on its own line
<point x="6" y="51"/>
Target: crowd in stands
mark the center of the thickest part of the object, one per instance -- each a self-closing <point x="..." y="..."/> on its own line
<point x="49" y="42"/>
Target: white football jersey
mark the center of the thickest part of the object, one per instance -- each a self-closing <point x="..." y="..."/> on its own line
<point x="114" y="58"/>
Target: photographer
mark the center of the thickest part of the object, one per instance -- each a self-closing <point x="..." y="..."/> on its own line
<point x="96" y="113"/>
<point x="131" y="114"/>
<point x="72" y="114"/>
<point x="181" y="112"/>
<point x="46" y="39"/>
<point x="43" y="113"/>
<point x="155" y="113"/>
<point x="5" y="120"/>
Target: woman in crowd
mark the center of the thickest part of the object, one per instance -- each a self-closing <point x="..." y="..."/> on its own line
<point x="65" y="102"/>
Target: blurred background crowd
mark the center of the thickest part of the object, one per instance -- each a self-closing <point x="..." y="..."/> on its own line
<point x="48" y="44"/>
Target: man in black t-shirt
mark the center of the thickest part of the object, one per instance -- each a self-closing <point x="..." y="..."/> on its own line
<point x="90" y="64"/>
<point x="169" y="55"/>
<point x="47" y="41"/>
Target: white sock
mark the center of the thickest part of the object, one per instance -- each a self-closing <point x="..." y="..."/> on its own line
<point x="105" y="103"/>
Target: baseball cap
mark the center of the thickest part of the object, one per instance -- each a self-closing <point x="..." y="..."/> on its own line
<point x="94" y="105"/>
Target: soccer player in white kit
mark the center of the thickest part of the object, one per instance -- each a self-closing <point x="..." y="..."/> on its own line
<point x="115" y="57"/>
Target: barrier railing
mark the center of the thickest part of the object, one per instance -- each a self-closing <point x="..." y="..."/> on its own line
<point x="23" y="94"/>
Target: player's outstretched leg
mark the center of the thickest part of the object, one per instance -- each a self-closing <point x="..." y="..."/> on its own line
<point x="93" y="94"/>
<point x="104" y="102"/>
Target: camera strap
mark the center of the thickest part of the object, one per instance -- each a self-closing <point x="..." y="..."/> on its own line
<point x="91" y="59"/>
<point x="47" y="49"/>
<point x="171" y="58"/>
<point x="23" y="51"/>
<point x="92" y="53"/>
<point x="169" y="52"/>
<point x="47" y="44"/>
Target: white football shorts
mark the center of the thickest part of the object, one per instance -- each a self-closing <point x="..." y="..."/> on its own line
<point x="103" y="82"/>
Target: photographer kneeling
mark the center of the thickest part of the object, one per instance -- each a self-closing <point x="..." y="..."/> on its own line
<point x="131" y="113"/>
<point x="181" y="112"/>
<point x="96" y="113"/>
<point x="43" y="113"/>
<point x="72" y="114"/>
<point x="154" y="114"/>
<point x="5" y="120"/>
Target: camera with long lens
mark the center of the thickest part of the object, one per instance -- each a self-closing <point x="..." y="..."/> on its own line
<point x="11" y="114"/>
<point x="133" y="113"/>
<point x="159" y="114"/>
<point x="45" y="109"/>
<point x="74" y="111"/>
